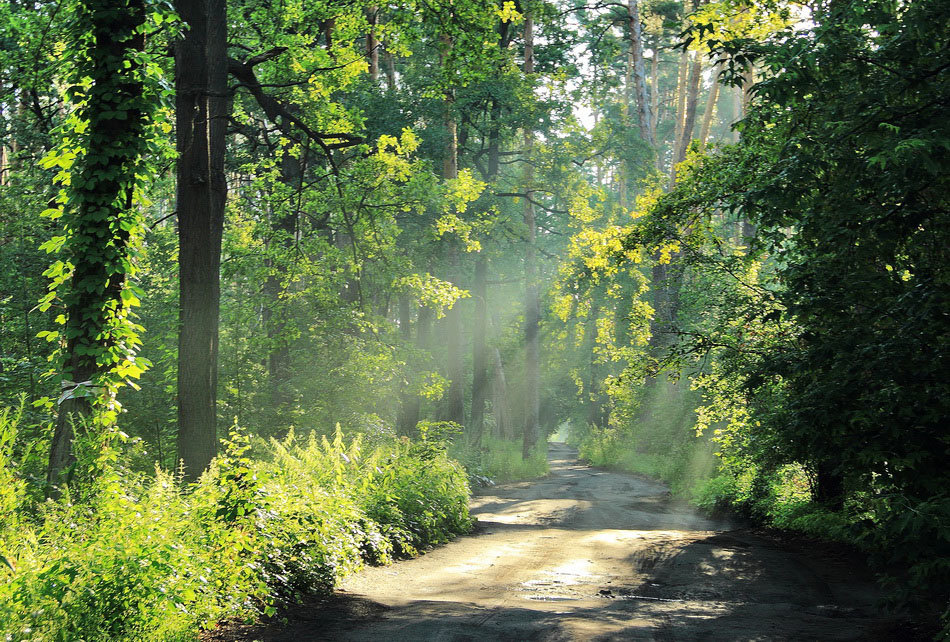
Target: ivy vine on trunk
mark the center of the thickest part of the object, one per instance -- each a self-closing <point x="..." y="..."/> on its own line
<point x="101" y="158"/>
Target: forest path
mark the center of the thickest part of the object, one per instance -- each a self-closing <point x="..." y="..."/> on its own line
<point x="586" y="554"/>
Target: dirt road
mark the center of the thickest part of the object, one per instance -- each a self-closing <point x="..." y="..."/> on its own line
<point x="591" y="555"/>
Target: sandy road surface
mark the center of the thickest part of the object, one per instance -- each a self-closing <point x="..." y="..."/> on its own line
<point x="591" y="555"/>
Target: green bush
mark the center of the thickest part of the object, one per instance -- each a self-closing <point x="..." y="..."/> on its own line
<point x="718" y="493"/>
<point x="143" y="557"/>
<point x="915" y="575"/>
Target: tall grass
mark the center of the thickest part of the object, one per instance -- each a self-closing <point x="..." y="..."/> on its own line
<point x="659" y="440"/>
<point x="500" y="460"/>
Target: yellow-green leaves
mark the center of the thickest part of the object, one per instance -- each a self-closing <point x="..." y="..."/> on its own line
<point x="432" y="292"/>
<point x="509" y="13"/>
<point x="463" y="190"/>
<point x="395" y="155"/>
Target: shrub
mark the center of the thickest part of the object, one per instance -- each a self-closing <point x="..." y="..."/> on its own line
<point x="144" y="558"/>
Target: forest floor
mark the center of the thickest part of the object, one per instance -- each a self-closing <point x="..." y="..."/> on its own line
<point x="586" y="554"/>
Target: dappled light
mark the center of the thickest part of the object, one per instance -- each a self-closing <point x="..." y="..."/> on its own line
<point x="574" y="579"/>
<point x="474" y="320"/>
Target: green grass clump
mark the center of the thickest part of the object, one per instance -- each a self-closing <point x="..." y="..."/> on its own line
<point x="499" y="460"/>
<point x="144" y="557"/>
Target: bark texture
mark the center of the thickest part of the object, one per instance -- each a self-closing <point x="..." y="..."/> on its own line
<point x="691" y="98"/>
<point x="640" y="74"/>
<point x="201" y="72"/>
<point x="372" y="44"/>
<point x="454" y="406"/>
<point x="710" y="107"/>
<point x="532" y="307"/>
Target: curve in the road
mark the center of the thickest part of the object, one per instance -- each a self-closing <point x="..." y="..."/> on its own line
<point x="585" y="554"/>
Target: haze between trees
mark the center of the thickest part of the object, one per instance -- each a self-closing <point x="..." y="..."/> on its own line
<point x="387" y="218"/>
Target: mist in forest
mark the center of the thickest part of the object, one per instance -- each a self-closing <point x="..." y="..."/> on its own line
<point x="283" y="284"/>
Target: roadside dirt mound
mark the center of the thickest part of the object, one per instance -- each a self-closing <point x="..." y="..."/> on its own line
<point x="586" y="554"/>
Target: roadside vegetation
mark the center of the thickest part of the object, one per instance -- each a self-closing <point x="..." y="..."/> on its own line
<point x="709" y="235"/>
<point x="798" y="298"/>
<point x="134" y="556"/>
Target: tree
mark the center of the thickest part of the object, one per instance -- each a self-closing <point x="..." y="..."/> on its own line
<point x="201" y="110"/>
<point x="103" y="158"/>
<point x="828" y="345"/>
<point x="637" y="68"/>
<point x="532" y="312"/>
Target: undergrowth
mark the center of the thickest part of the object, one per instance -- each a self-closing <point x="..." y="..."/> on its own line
<point x="660" y="441"/>
<point x="499" y="460"/>
<point x="145" y="557"/>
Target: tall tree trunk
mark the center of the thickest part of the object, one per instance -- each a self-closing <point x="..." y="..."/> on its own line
<point x="201" y="116"/>
<point x="624" y="169"/>
<point x="372" y="44"/>
<point x="627" y="82"/>
<point x="99" y="212"/>
<point x="503" y="427"/>
<point x="480" y="373"/>
<point x="501" y="409"/>
<point x="680" y="110"/>
<point x="390" y="63"/>
<point x="655" y="94"/>
<point x="639" y="73"/>
<point x="532" y="312"/>
<point x="746" y="229"/>
<point x="454" y="404"/>
<point x="748" y="80"/>
<point x="4" y="152"/>
<point x="689" y="114"/>
<point x="595" y="110"/>
<point x="479" y="349"/>
<point x="710" y="107"/>
<point x="736" y="93"/>
<point x="483" y="383"/>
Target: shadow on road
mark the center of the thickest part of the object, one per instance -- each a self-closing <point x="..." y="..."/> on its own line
<point x="585" y="554"/>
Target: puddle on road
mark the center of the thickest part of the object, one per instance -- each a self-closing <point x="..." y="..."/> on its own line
<point x="562" y="583"/>
<point x="544" y="583"/>
<point x="549" y="598"/>
<point x="548" y="590"/>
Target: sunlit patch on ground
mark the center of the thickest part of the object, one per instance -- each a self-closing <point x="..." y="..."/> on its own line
<point x="585" y="555"/>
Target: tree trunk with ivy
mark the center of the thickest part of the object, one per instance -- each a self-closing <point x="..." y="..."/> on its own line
<point x="101" y="225"/>
<point x="201" y="72"/>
